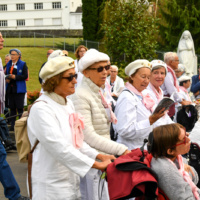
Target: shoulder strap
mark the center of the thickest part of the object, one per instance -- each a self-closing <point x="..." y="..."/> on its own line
<point x="30" y="157"/>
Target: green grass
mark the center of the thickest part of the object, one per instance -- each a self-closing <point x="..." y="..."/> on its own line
<point x="38" y="42"/>
<point x="34" y="58"/>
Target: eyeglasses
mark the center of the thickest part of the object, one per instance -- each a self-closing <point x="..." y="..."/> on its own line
<point x="184" y="141"/>
<point x="14" y="54"/>
<point x="100" y="69"/>
<point x="70" y="78"/>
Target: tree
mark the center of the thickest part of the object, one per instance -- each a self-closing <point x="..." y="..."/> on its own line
<point x="129" y="29"/>
<point x="89" y="19"/>
<point x="176" y="17"/>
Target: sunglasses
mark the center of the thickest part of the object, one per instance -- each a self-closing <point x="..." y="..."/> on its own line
<point x="70" y="78"/>
<point x="184" y="141"/>
<point x="100" y="69"/>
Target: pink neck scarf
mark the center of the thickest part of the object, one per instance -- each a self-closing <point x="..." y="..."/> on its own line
<point x="76" y="125"/>
<point x="186" y="176"/>
<point x="159" y="94"/>
<point x="146" y="99"/>
<point x="174" y="77"/>
<point x="108" y="105"/>
<point x="185" y="90"/>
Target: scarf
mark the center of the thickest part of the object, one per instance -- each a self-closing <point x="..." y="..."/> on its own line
<point x="186" y="176"/>
<point x="174" y="77"/>
<point x="76" y="125"/>
<point x="159" y="94"/>
<point x="186" y="92"/>
<point x="107" y="105"/>
<point x="146" y="99"/>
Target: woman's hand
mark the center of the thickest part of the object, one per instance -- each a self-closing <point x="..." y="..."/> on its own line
<point x="153" y="118"/>
<point x="103" y="157"/>
<point x="101" y="165"/>
<point x="188" y="169"/>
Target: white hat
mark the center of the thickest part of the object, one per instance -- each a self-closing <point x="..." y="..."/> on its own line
<point x="137" y="64"/>
<point x="90" y="57"/>
<point x="184" y="78"/>
<point x="156" y="63"/>
<point x="55" y="54"/>
<point x="56" y="66"/>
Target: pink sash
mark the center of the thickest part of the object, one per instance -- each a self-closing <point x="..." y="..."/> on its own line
<point x="186" y="176"/>
<point x="174" y="77"/>
<point x="159" y="94"/>
<point x="146" y="99"/>
<point x="76" y="124"/>
<point x="185" y="90"/>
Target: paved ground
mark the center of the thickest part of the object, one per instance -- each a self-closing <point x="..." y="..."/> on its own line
<point x="19" y="170"/>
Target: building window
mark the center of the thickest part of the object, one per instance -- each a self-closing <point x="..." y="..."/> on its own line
<point x="78" y="19"/>
<point x="20" y="6"/>
<point x="38" y="6"/>
<point x="56" y="5"/>
<point x="3" y="23"/>
<point x="3" y="7"/>
<point x="56" y="21"/>
<point x="38" y="22"/>
<point x="21" y="22"/>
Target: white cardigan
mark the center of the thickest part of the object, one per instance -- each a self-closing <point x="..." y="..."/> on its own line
<point x="87" y="101"/>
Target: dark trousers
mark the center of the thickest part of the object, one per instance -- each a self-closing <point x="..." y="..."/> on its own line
<point x="16" y="104"/>
<point x="11" y="188"/>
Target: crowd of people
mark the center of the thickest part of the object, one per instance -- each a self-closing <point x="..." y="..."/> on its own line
<point x="80" y="100"/>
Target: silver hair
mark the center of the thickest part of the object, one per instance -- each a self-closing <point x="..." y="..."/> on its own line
<point x="8" y="55"/>
<point x="114" y="67"/>
<point x="169" y="56"/>
<point x="181" y="67"/>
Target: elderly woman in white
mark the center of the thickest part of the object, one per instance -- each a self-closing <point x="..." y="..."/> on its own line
<point x="158" y="74"/>
<point x="96" y="110"/>
<point x="133" y="109"/>
<point x="61" y="155"/>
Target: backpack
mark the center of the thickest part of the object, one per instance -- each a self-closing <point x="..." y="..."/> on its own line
<point x="21" y="135"/>
<point x="194" y="159"/>
<point x="131" y="176"/>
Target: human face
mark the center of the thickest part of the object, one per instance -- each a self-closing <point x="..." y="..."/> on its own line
<point x="99" y="78"/>
<point x="178" y="73"/>
<point x="113" y="72"/>
<point x="174" y="63"/>
<point x="66" y="87"/>
<point x="14" y="56"/>
<point x="141" y="78"/>
<point x="81" y="52"/>
<point x="1" y="41"/>
<point x="7" y="58"/>
<point x="183" y="145"/>
<point x="187" y="84"/>
<point x="157" y="77"/>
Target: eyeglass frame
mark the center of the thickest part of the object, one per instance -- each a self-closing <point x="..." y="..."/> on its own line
<point x="101" y="68"/>
<point x="184" y="142"/>
<point x="71" y="77"/>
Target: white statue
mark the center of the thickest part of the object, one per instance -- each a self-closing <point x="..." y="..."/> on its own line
<point x="186" y="53"/>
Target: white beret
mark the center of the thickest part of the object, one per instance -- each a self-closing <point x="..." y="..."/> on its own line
<point x="184" y="78"/>
<point x="156" y="63"/>
<point x="137" y="64"/>
<point x="56" y="53"/>
<point x="56" y="66"/>
<point x="90" y="57"/>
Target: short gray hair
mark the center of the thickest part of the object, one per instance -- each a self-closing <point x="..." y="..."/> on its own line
<point x="8" y="55"/>
<point x="181" y="67"/>
<point x="169" y="56"/>
<point x="114" y="67"/>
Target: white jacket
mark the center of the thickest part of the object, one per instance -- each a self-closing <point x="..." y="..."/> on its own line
<point x="87" y="101"/>
<point x="118" y="85"/>
<point x="56" y="163"/>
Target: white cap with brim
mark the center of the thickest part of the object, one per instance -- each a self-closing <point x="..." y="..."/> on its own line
<point x="157" y="63"/>
<point x="137" y="64"/>
<point x="184" y="78"/>
<point x="90" y="57"/>
<point x="56" y="66"/>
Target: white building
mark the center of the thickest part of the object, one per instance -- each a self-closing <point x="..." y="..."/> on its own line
<point x="40" y="15"/>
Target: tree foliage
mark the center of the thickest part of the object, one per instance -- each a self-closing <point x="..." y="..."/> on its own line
<point x="176" y="17"/>
<point x="129" y="29"/>
<point x="89" y="19"/>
